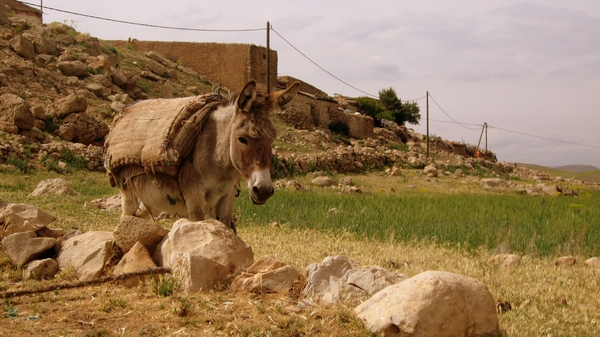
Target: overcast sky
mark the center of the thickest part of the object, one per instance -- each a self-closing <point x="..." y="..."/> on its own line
<point x="524" y="67"/>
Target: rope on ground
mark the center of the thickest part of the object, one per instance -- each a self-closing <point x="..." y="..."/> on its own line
<point x="17" y="293"/>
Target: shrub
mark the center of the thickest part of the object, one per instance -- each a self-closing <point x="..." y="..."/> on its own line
<point x="339" y="127"/>
<point x="21" y="164"/>
<point x="77" y="162"/>
<point x="50" y="125"/>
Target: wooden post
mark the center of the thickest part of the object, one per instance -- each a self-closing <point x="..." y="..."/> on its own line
<point x="486" y="127"/>
<point x="427" y="105"/>
<point x="268" y="58"/>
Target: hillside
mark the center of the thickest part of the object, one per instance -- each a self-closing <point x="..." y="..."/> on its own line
<point x="578" y="168"/>
<point x="60" y="90"/>
<point x="586" y="173"/>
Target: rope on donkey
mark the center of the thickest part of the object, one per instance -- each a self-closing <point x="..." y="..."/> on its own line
<point x="17" y="293"/>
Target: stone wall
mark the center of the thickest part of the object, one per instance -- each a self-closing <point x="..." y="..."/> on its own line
<point x="230" y="65"/>
<point x="22" y="11"/>
<point x="305" y="112"/>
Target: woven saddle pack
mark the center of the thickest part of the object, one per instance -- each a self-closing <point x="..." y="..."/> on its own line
<point x="157" y="134"/>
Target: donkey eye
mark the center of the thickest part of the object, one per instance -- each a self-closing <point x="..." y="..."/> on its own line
<point x="243" y="140"/>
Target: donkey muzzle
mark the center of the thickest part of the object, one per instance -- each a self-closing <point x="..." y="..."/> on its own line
<point x="260" y="187"/>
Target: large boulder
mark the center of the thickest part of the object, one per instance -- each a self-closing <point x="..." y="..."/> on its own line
<point x="23" y="218"/>
<point x="52" y="186"/>
<point x="83" y="128"/>
<point x="433" y="303"/>
<point x="26" y="246"/>
<point x="67" y="105"/>
<point x="86" y="253"/>
<point x="133" y="229"/>
<point x="137" y="259"/>
<point x="22" y="46"/>
<point x="204" y="254"/>
<point x="73" y="68"/>
<point x="15" y="111"/>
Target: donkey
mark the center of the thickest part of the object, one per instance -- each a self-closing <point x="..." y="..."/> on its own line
<point x="234" y="143"/>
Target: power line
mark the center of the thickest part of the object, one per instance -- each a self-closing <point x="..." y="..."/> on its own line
<point x="453" y="122"/>
<point x="545" y="138"/>
<point x="315" y="63"/>
<point x="145" y="24"/>
<point x="309" y="59"/>
<point x="436" y="103"/>
<point x="201" y="30"/>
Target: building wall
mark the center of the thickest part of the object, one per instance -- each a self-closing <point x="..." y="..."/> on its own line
<point x="321" y="113"/>
<point x="286" y="81"/>
<point x="230" y="65"/>
<point x="20" y="10"/>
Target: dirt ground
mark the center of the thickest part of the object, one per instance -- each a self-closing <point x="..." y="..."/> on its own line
<point x="112" y="310"/>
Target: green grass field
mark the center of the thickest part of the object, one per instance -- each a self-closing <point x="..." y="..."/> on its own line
<point x="522" y="224"/>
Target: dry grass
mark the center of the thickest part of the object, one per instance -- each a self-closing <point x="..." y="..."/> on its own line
<point x="546" y="300"/>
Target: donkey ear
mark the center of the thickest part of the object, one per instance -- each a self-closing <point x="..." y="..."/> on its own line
<point x="283" y="97"/>
<point x="247" y="96"/>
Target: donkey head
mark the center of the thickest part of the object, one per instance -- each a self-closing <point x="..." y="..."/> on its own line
<point x="252" y="135"/>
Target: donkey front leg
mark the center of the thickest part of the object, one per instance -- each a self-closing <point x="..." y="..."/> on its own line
<point x="224" y="209"/>
<point x="196" y="207"/>
<point x="129" y="204"/>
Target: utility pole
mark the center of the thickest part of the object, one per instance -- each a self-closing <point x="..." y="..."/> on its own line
<point x="427" y="105"/>
<point x="486" y="127"/>
<point x="483" y="129"/>
<point x="268" y="58"/>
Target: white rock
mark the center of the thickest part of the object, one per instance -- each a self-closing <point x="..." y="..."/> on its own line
<point x="53" y="186"/>
<point x="433" y="303"/>
<point x="593" y="261"/>
<point x="87" y="253"/>
<point x="324" y="181"/>
<point x="133" y="229"/>
<point x="206" y="249"/>
<point x="40" y="269"/>
<point x="23" y="218"/>
<point x="494" y="183"/>
<point x="339" y="278"/>
<point x="506" y="260"/>
<point x="26" y="246"/>
<point x="137" y="259"/>
<point x="266" y="275"/>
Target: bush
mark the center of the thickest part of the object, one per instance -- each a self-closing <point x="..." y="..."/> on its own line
<point x="21" y="164"/>
<point x="339" y="127"/>
<point x="77" y="162"/>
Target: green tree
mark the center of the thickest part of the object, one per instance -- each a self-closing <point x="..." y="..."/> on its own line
<point x="371" y="107"/>
<point x="400" y="112"/>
